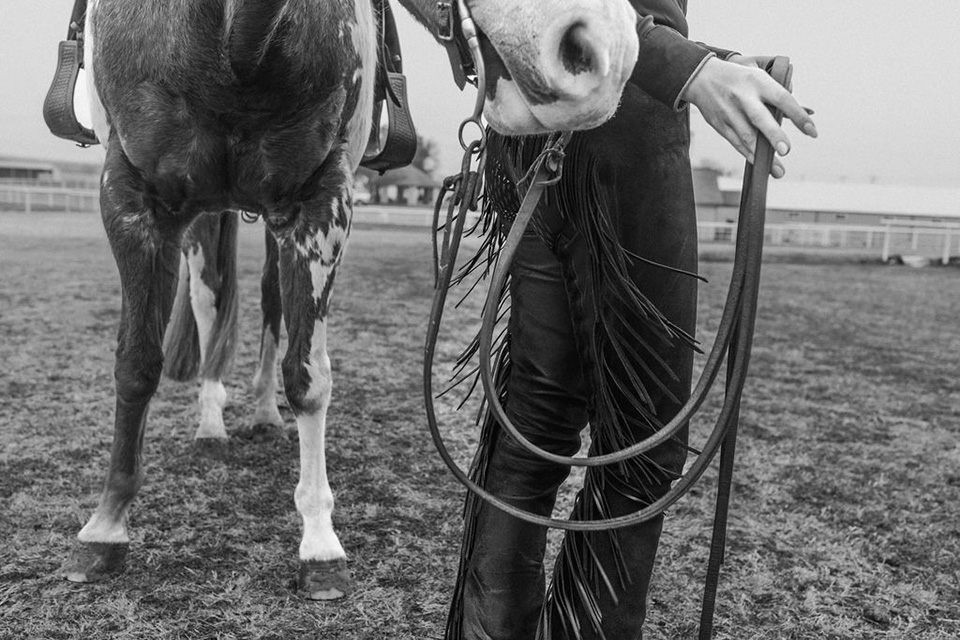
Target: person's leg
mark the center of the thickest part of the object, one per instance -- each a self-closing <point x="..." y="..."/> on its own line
<point x="500" y="588"/>
<point x="643" y="170"/>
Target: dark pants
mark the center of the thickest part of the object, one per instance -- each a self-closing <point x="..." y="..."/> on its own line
<point x="563" y="375"/>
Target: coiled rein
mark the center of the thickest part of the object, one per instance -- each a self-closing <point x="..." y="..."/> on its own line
<point x="734" y="334"/>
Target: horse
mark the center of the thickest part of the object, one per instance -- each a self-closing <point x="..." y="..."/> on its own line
<point x="206" y="107"/>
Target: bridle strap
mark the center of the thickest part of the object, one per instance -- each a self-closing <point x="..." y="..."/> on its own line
<point x="451" y="36"/>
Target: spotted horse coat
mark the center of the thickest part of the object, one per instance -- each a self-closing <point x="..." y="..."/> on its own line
<point x="205" y="107"/>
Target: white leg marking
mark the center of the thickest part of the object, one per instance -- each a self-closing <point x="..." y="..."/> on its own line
<point x="313" y="497"/>
<point x="265" y="383"/>
<point x="105" y="527"/>
<point x="213" y="395"/>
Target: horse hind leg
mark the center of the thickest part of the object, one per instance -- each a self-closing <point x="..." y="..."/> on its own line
<point x="210" y="256"/>
<point x="147" y="256"/>
<point x="308" y="263"/>
<point x="267" y="413"/>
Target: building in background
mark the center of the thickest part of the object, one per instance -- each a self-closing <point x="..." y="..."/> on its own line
<point x="50" y="173"/>
<point x="718" y="200"/>
<point x="408" y="185"/>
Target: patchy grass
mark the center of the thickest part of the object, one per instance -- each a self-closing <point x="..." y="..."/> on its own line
<point x="845" y="512"/>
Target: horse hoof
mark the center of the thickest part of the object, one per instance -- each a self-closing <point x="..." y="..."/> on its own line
<point x="95" y="561"/>
<point x="269" y="416"/>
<point x="211" y="447"/>
<point x="325" y="579"/>
<point x="264" y="432"/>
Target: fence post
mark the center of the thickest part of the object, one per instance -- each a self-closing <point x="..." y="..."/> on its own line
<point x="886" y="244"/>
<point x="946" y="248"/>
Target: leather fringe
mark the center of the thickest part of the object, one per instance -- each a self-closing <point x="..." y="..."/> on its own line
<point x="620" y="355"/>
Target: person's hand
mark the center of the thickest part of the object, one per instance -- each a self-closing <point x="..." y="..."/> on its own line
<point x="733" y="97"/>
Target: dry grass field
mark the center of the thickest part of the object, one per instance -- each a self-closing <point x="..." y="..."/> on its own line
<point x="846" y="509"/>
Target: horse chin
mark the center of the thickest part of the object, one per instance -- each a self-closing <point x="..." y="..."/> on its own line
<point x="509" y="113"/>
<point x="557" y="116"/>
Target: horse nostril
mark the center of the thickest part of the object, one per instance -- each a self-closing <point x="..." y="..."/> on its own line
<point x="576" y="54"/>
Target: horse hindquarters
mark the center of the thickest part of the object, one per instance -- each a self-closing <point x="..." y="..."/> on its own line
<point x="146" y="246"/>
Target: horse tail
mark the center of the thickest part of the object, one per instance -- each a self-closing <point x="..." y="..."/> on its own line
<point x="181" y="342"/>
<point x="223" y="341"/>
<point x="249" y="28"/>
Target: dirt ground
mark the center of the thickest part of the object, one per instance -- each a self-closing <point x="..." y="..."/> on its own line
<point x="844" y="520"/>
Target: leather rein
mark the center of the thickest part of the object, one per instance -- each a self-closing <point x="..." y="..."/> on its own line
<point x="733" y="341"/>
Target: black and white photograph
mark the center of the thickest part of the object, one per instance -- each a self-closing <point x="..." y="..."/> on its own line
<point x="479" y="320"/>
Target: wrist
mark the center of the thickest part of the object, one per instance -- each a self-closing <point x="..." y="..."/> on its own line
<point x="696" y="83"/>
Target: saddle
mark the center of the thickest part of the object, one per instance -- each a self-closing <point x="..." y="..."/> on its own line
<point x="391" y="149"/>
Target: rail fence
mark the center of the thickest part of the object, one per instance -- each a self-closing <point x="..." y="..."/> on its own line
<point x="936" y="241"/>
<point x="30" y="199"/>
<point x="891" y="237"/>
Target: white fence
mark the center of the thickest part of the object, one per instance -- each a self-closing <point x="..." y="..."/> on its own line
<point x="896" y="236"/>
<point x="29" y="199"/>
<point x="941" y="241"/>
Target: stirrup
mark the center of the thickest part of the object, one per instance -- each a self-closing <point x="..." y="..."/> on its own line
<point x="400" y="145"/>
<point x="58" y="110"/>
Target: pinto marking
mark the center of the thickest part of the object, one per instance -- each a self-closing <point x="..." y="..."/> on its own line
<point x="313" y="496"/>
<point x="213" y="395"/>
<point x="256" y="106"/>
<point x="364" y="38"/>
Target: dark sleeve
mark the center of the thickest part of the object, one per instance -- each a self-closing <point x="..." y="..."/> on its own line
<point x="723" y="54"/>
<point x="666" y="61"/>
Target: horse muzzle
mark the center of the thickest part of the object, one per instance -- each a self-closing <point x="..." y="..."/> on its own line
<point x="565" y="68"/>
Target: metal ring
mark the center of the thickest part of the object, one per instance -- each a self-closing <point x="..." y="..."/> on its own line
<point x="480" y="143"/>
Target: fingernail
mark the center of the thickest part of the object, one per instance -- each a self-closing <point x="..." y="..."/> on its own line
<point x="777" y="172"/>
<point x="783" y="148"/>
<point x="810" y="129"/>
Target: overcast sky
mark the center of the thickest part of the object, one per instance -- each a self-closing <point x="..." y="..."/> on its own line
<point x="882" y="75"/>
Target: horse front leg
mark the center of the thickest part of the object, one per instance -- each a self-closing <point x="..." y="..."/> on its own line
<point x="265" y="380"/>
<point x="147" y="252"/>
<point x="309" y="256"/>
